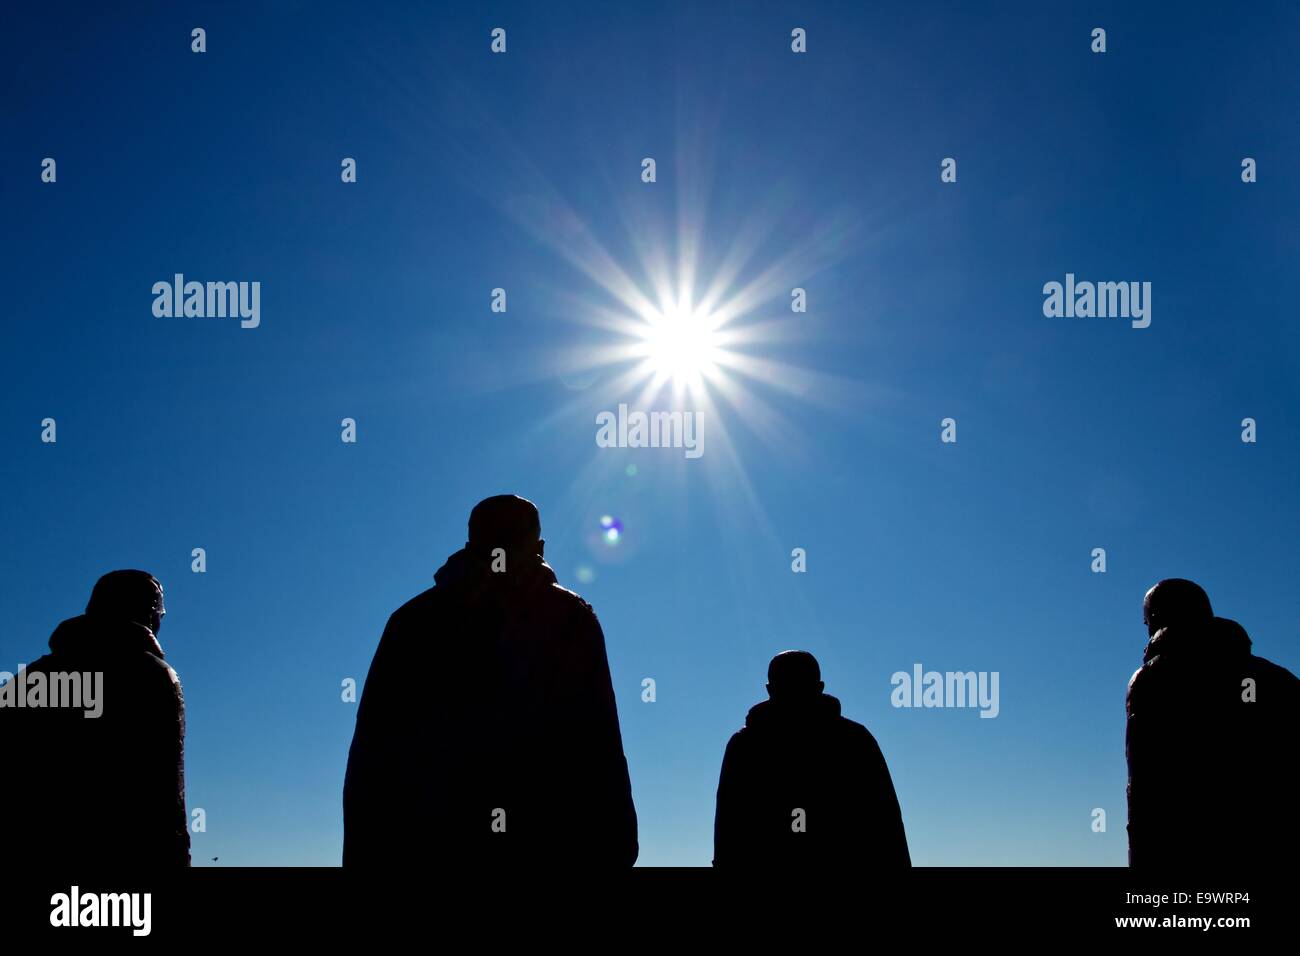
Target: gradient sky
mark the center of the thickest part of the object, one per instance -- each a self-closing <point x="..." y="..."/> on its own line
<point x="477" y="171"/>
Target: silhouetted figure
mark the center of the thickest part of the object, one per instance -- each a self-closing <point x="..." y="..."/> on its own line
<point x="81" y="792"/>
<point x="1211" y="742"/>
<point x="487" y="734"/>
<point x="802" y="786"/>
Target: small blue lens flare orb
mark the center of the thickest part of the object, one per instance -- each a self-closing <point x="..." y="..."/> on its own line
<point x="611" y="530"/>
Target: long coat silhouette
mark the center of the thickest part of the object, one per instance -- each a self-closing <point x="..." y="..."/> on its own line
<point x="1211" y="770"/>
<point x="802" y="755"/>
<point x="88" y="793"/>
<point x="487" y="732"/>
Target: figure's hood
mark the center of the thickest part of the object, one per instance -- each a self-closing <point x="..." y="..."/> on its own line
<point x="1221" y="639"/>
<point x="93" y="637"/>
<point x="770" y="714"/>
<point x="470" y="577"/>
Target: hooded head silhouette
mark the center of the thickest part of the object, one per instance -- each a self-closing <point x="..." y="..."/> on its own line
<point x="505" y="521"/>
<point x="134" y="596"/>
<point x="1176" y="602"/>
<point x="794" y="676"/>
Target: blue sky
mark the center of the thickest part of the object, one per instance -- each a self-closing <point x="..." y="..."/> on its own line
<point x="478" y="171"/>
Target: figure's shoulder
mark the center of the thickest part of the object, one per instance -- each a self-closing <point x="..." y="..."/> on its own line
<point x="155" y="678"/>
<point x="1146" y="685"/>
<point x="558" y="592"/>
<point x="739" y="741"/>
<point x="853" y="731"/>
<point x="410" y="620"/>
<point x="42" y="665"/>
<point x="1140" y="676"/>
<point x="421" y="604"/>
<point x="568" y="601"/>
<point x="159" y="667"/>
<point x="1275" y="673"/>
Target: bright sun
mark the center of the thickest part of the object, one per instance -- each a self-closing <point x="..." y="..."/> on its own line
<point x="681" y="345"/>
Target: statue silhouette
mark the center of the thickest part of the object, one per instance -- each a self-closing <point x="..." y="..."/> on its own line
<point x="487" y="733"/>
<point x="1211" y="742"/>
<point x="801" y="786"/>
<point x="98" y="790"/>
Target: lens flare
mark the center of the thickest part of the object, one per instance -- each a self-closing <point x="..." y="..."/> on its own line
<point x="611" y="529"/>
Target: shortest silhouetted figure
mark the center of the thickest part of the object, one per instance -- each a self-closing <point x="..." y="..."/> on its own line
<point x="802" y="786"/>
<point x="93" y="736"/>
<point x="1211" y="743"/>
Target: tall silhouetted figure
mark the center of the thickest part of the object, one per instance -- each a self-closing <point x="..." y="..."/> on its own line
<point x="487" y="734"/>
<point x="1211" y="743"/>
<point x="93" y="737"/>
<point x="803" y="786"/>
